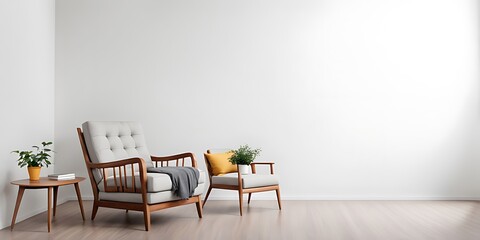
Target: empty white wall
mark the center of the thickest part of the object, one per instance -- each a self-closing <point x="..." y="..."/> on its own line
<point x="27" y="51"/>
<point x="352" y="99"/>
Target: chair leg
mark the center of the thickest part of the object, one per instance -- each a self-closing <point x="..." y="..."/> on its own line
<point x="94" y="209"/>
<point x="208" y="194"/>
<point x="126" y="210"/>
<point x="278" y="198"/>
<point x="199" y="206"/>
<point x="240" y="198"/>
<point x="249" y="197"/>
<point x="146" y="217"/>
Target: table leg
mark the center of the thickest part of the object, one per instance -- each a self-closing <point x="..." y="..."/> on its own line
<point x="55" y="194"/>
<point x="49" y="208"/>
<point x="21" y="190"/>
<point x="79" y="197"/>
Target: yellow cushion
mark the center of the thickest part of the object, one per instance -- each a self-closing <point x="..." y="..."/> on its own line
<point x="220" y="163"/>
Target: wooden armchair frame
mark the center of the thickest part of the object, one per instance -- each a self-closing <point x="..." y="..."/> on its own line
<point x="119" y="171"/>
<point x="239" y="187"/>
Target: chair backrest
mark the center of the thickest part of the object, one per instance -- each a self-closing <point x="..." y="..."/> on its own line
<point x="214" y="150"/>
<point x="113" y="141"/>
<point x="97" y="174"/>
<point x="207" y="163"/>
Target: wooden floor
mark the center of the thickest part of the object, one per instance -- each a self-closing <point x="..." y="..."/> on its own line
<point x="368" y="220"/>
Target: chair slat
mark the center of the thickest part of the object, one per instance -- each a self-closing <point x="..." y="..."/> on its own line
<point x="133" y="179"/>
<point x="104" y="180"/>
<point x="120" y="177"/>
<point x="115" y="178"/>
<point x="125" y="177"/>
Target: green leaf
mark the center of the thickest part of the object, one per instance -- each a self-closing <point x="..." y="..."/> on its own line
<point x="244" y="155"/>
<point x="34" y="159"/>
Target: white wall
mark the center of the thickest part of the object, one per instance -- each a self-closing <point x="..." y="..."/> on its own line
<point x="366" y="99"/>
<point x="27" y="47"/>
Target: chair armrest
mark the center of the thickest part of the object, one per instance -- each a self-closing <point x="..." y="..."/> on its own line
<point x="264" y="163"/>
<point x="119" y="170"/>
<point x="119" y="163"/>
<point x="177" y="158"/>
<point x="254" y="169"/>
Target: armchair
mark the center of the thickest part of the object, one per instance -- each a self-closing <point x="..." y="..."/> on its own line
<point x="117" y="158"/>
<point x="251" y="183"/>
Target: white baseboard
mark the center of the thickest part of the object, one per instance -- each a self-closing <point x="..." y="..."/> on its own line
<point x="327" y="198"/>
<point x="74" y="198"/>
<point x="352" y="198"/>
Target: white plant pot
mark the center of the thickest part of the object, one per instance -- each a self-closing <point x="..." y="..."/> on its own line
<point x="244" y="169"/>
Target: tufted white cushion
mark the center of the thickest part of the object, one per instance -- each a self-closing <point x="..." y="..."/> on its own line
<point x="249" y="181"/>
<point x="113" y="141"/>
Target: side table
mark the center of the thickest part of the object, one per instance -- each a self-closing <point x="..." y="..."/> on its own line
<point x="44" y="182"/>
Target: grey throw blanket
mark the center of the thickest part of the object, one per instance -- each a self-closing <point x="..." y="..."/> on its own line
<point x="184" y="179"/>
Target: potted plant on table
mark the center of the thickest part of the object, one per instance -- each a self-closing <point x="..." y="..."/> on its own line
<point x="35" y="160"/>
<point x="243" y="156"/>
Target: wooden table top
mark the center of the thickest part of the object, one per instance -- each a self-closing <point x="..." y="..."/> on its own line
<point x="46" y="182"/>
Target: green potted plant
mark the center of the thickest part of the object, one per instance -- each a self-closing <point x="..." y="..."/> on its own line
<point x="243" y="156"/>
<point x="35" y="160"/>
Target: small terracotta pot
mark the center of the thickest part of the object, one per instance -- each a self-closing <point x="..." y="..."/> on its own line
<point x="34" y="173"/>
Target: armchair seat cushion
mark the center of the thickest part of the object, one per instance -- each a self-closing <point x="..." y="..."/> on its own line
<point x="248" y="181"/>
<point x="156" y="182"/>
<point x="152" y="198"/>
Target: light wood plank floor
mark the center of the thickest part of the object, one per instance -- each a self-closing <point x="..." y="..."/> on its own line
<point x="368" y="220"/>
